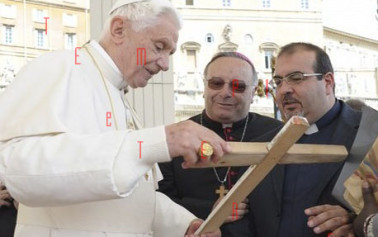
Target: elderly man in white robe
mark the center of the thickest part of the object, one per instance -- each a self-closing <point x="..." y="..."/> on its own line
<point x="68" y="149"/>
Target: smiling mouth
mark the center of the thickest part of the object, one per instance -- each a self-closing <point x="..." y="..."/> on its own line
<point x="227" y="105"/>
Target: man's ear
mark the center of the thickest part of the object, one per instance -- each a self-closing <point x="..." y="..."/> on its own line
<point x="329" y="83"/>
<point x="117" y="29"/>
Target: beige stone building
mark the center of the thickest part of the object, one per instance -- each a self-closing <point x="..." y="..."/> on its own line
<point x="347" y="29"/>
<point x="351" y="38"/>
<point x="32" y="28"/>
<point x="258" y="28"/>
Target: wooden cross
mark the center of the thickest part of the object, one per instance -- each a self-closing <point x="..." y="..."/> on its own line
<point x="252" y="153"/>
<point x="272" y="154"/>
<point x="221" y="191"/>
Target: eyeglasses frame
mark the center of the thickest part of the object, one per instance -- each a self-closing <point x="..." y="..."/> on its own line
<point x="305" y="75"/>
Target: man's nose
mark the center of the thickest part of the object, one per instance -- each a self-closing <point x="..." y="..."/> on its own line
<point x="226" y="91"/>
<point x="284" y="88"/>
<point x="163" y="62"/>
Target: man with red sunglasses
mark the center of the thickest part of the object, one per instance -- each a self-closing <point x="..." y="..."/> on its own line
<point x="230" y="83"/>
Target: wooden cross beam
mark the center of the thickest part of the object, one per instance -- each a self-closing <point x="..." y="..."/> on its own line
<point x="277" y="148"/>
<point x="252" y="153"/>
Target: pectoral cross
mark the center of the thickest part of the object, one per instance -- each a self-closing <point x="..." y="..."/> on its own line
<point x="221" y="191"/>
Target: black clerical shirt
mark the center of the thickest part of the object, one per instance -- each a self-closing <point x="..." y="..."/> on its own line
<point x="194" y="189"/>
<point x="302" y="179"/>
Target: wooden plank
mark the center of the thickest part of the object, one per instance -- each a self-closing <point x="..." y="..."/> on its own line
<point x="252" y="153"/>
<point x="288" y="135"/>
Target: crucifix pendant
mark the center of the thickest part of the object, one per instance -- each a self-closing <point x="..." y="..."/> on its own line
<point x="221" y="191"/>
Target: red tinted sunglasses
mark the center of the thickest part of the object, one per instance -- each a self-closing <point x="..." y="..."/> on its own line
<point x="235" y="85"/>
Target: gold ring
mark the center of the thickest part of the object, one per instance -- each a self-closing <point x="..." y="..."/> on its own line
<point x="206" y="150"/>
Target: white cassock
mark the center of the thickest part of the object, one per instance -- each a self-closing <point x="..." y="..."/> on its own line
<point x="74" y="175"/>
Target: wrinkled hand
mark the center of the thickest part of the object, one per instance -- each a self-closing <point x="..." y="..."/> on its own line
<point x="370" y="207"/>
<point x="330" y="218"/>
<point x="185" y="139"/>
<point x="5" y="197"/>
<point x="242" y="210"/>
<point x="194" y="225"/>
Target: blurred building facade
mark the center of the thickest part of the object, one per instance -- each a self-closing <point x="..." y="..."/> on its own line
<point x="31" y="28"/>
<point x="346" y="29"/>
<point x="351" y="39"/>
<point x="257" y="28"/>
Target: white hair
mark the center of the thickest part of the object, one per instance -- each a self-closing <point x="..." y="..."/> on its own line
<point x="142" y="14"/>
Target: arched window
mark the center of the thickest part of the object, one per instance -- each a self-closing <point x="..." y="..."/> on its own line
<point x="269" y="49"/>
<point x="209" y="38"/>
<point x="191" y="49"/>
<point x="248" y="39"/>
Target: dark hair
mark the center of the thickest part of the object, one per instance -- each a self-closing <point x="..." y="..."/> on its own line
<point x="322" y="62"/>
<point x="233" y="55"/>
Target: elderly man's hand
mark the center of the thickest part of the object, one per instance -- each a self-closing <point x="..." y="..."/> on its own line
<point x="370" y="207"/>
<point x="330" y="218"/>
<point x="194" y="225"/>
<point x="185" y="139"/>
<point x="5" y="197"/>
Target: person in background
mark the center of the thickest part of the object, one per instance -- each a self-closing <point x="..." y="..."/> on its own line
<point x="366" y="223"/>
<point x="8" y="213"/>
<point x="295" y="199"/>
<point x="230" y="81"/>
<point x="69" y="150"/>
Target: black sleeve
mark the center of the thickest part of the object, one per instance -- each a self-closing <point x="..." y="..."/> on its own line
<point x="240" y="228"/>
<point x="8" y="216"/>
<point x="199" y="207"/>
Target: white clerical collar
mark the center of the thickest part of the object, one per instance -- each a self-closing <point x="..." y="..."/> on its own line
<point x="226" y="125"/>
<point x="312" y="129"/>
<point x="117" y="80"/>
